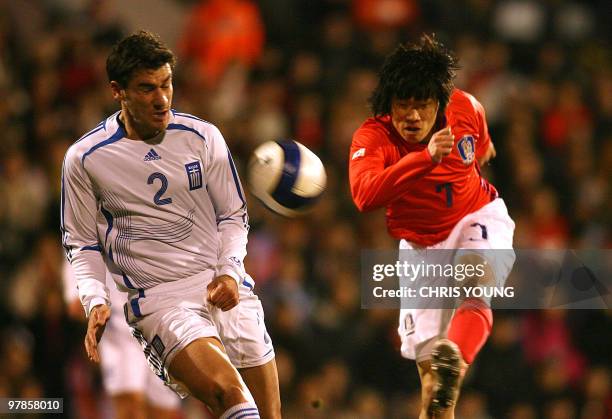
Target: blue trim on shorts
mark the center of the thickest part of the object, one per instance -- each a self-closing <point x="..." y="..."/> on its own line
<point x="134" y="303"/>
<point x="94" y="247"/>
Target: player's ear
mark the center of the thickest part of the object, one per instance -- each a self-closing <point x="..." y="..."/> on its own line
<point x="117" y="91"/>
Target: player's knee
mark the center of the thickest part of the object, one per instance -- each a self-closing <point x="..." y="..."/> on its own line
<point x="220" y="395"/>
<point x="231" y="395"/>
<point x="227" y="390"/>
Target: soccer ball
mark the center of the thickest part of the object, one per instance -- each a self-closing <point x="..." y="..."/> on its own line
<point x="286" y="176"/>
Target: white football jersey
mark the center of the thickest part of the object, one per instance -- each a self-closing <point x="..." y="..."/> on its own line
<point x="153" y="211"/>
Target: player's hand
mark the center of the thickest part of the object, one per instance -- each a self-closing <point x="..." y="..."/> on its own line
<point x="441" y="144"/>
<point x="223" y="292"/>
<point x="488" y="155"/>
<point x="95" y="327"/>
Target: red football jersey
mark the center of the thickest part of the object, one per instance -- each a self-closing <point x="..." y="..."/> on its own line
<point x="424" y="199"/>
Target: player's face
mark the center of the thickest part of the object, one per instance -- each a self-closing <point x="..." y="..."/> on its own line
<point x="147" y="100"/>
<point x="414" y="119"/>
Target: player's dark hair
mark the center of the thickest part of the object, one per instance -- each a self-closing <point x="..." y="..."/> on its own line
<point x="142" y="50"/>
<point x="421" y="71"/>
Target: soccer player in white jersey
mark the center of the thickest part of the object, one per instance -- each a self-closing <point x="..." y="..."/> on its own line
<point x="135" y="392"/>
<point x="153" y="195"/>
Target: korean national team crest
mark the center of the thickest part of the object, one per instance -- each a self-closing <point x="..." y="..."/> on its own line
<point x="194" y="174"/>
<point x="466" y="149"/>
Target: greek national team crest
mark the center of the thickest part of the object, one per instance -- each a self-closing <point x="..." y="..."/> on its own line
<point x="194" y="173"/>
<point x="466" y="149"/>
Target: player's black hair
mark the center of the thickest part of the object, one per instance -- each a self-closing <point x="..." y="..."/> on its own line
<point x="142" y="50"/>
<point x="423" y="70"/>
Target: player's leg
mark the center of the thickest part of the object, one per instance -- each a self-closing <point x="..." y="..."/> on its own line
<point x="161" y="412"/>
<point x="472" y="321"/>
<point x="485" y="241"/>
<point x="129" y="406"/>
<point x="123" y="370"/>
<point x="420" y="330"/>
<point x="161" y="401"/>
<point x="249" y="347"/>
<point x="204" y="369"/>
<point x="182" y="346"/>
<point x="262" y="380"/>
<point x="450" y="372"/>
<point x="469" y="329"/>
<point x="427" y="383"/>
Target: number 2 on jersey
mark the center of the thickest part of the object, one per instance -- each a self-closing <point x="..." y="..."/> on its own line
<point x="164" y="185"/>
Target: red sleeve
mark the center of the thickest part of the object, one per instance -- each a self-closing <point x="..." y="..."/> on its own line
<point x="372" y="184"/>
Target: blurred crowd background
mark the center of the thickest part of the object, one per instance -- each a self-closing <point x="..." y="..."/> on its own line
<point x="303" y="69"/>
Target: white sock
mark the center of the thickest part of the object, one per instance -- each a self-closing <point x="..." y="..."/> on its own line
<point x="246" y="410"/>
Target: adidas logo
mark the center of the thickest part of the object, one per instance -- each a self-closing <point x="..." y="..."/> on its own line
<point x="152" y="155"/>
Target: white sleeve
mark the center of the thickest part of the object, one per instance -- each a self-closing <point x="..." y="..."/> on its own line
<point x="227" y="197"/>
<point x="69" y="285"/>
<point x="79" y="236"/>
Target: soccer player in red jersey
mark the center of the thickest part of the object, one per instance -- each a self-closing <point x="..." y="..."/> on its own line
<point x="419" y="156"/>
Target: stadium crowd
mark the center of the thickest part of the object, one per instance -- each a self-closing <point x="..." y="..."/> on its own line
<point x="304" y="70"/>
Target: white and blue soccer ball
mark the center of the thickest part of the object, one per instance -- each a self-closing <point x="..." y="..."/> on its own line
<point x="286" y="176"/>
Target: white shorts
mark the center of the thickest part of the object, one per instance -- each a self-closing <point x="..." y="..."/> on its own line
<point x="488" y="228"/>
<point x="168" y="317"/>
<point x="124" y="369"/>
